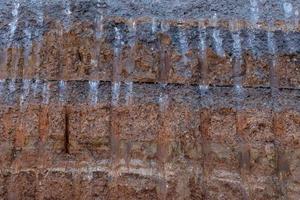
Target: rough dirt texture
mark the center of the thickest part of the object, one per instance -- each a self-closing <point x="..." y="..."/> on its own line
<point x="171" y="117"/>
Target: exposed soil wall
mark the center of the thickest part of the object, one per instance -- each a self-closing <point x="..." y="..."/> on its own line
<point x="99" y="102"/>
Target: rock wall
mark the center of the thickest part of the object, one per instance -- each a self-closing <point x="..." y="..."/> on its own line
<point x="146" y="102"/>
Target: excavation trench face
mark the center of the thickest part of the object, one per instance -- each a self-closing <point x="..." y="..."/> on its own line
<point x="149" y="99"/>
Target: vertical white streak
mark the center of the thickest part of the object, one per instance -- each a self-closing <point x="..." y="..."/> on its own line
<point x="129" y="93"/>
<point x="93" y="92"/>
<point x="62" y="91"/>
<point x="218" y="41"/>
<point x="45" y="93"/>
<point x="115" y="93"/>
